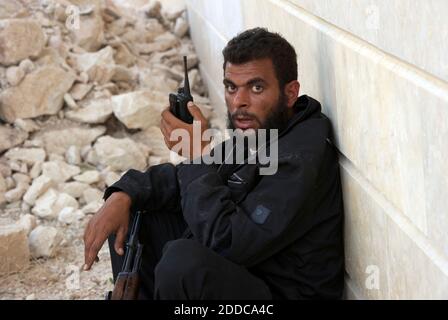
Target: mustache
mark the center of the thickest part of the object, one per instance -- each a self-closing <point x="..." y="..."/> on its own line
<point x="242" y="114"/>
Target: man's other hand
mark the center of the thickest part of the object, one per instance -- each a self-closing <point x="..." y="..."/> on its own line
<point x="113" y="217"/>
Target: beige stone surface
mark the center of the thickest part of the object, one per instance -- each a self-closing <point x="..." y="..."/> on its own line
<point x="121" y="154"/>
<point x="89" y="34"/>
<point x="37" y="188"/>
<point x="96" y="111"/>
<point x="41" y="92"/>
<point x="58" y="138"/>
<point x="139" y="109"/>
<point x="59" y="171"/>
<point x="20" y="39"/>
<point x="99" y="66"/>
<point x="11" y="137"/>
<point x="27" y="155"/>
<point x="14" y="250"/>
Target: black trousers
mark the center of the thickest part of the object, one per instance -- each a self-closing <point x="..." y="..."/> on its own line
<point x="175" y="268"/>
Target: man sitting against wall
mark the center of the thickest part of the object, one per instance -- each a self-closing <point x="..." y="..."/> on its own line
<point x="218" y="231"/>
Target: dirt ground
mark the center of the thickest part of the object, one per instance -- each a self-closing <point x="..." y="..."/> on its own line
<point x="60" y="277"/>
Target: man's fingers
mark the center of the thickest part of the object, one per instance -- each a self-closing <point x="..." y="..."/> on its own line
<point x="119" y="241"/>
<point x="167" y="143"/>
<point x="164" y="128"/>
<point x="87" y="242"/>
<point x="171" y="119"/>
<point x="92" y="254"/>
<point x="195" y="112"/>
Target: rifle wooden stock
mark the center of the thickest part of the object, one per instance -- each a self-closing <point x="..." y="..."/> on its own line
<point x="132" y="286"/>
<point x="126" y="287"/>
<point x="127" y="284"/>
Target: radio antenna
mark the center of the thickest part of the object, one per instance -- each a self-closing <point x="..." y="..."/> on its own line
<point x="186" y="81"/>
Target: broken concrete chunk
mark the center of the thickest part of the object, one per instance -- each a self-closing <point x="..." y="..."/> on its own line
<point x="96" y="111"/>
<point x="139" y="109"/>
<point x="91" y="195"/>
<point x="11" y="137"/>
<point x="80" y="90"/>
<point x="100" y="65"/>
<point x="41" y="92"/>
<point x="121" y="154"/>
<point x="73" y="155"/>
<point x="92" y="207"/>
<point x="58" y="138"/>
<point x="51" y="203"/>
<point x="27" y="155"/>
<point x="26" y="125"/>
<point x="43" y="241"/>
<point x="28" y="222"/>
<point x="14" y="75"/>
<point x="88" y="177"/>
<point x="20" y="39"/>
<point x="59" y="171"/>
<point x="70" y="215"/>
<point x="73" y="188"/>
<point x="16" y="194"/>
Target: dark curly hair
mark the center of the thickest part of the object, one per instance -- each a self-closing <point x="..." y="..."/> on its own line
<point x="259" y="43"/>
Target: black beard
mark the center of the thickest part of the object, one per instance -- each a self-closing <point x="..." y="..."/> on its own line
<point x="277" y="119"/>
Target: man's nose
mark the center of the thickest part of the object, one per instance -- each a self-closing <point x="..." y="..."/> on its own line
<point x="241" y="98"/>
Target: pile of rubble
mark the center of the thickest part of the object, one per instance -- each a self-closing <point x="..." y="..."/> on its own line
<point x="82" y="86"/>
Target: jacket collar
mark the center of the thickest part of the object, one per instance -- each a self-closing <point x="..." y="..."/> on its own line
<point x="304" y="108"/>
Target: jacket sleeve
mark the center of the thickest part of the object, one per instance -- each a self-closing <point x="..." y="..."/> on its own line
<point x="156" y="189"/>
<point x="267" y="220"/>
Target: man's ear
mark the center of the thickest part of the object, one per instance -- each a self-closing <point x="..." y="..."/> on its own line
<point x="292" y="92"/>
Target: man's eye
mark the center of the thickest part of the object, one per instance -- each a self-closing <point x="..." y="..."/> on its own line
<point x="230" y="88"/>
<point x="257" y="88"/>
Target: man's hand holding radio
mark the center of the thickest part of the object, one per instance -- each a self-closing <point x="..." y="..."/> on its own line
<point x="185" y="137"/>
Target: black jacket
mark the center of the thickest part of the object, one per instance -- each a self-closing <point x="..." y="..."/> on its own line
<point x="285" y="228"/>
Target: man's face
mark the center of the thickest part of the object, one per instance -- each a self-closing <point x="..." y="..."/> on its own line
<point x="253" y="96"/>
